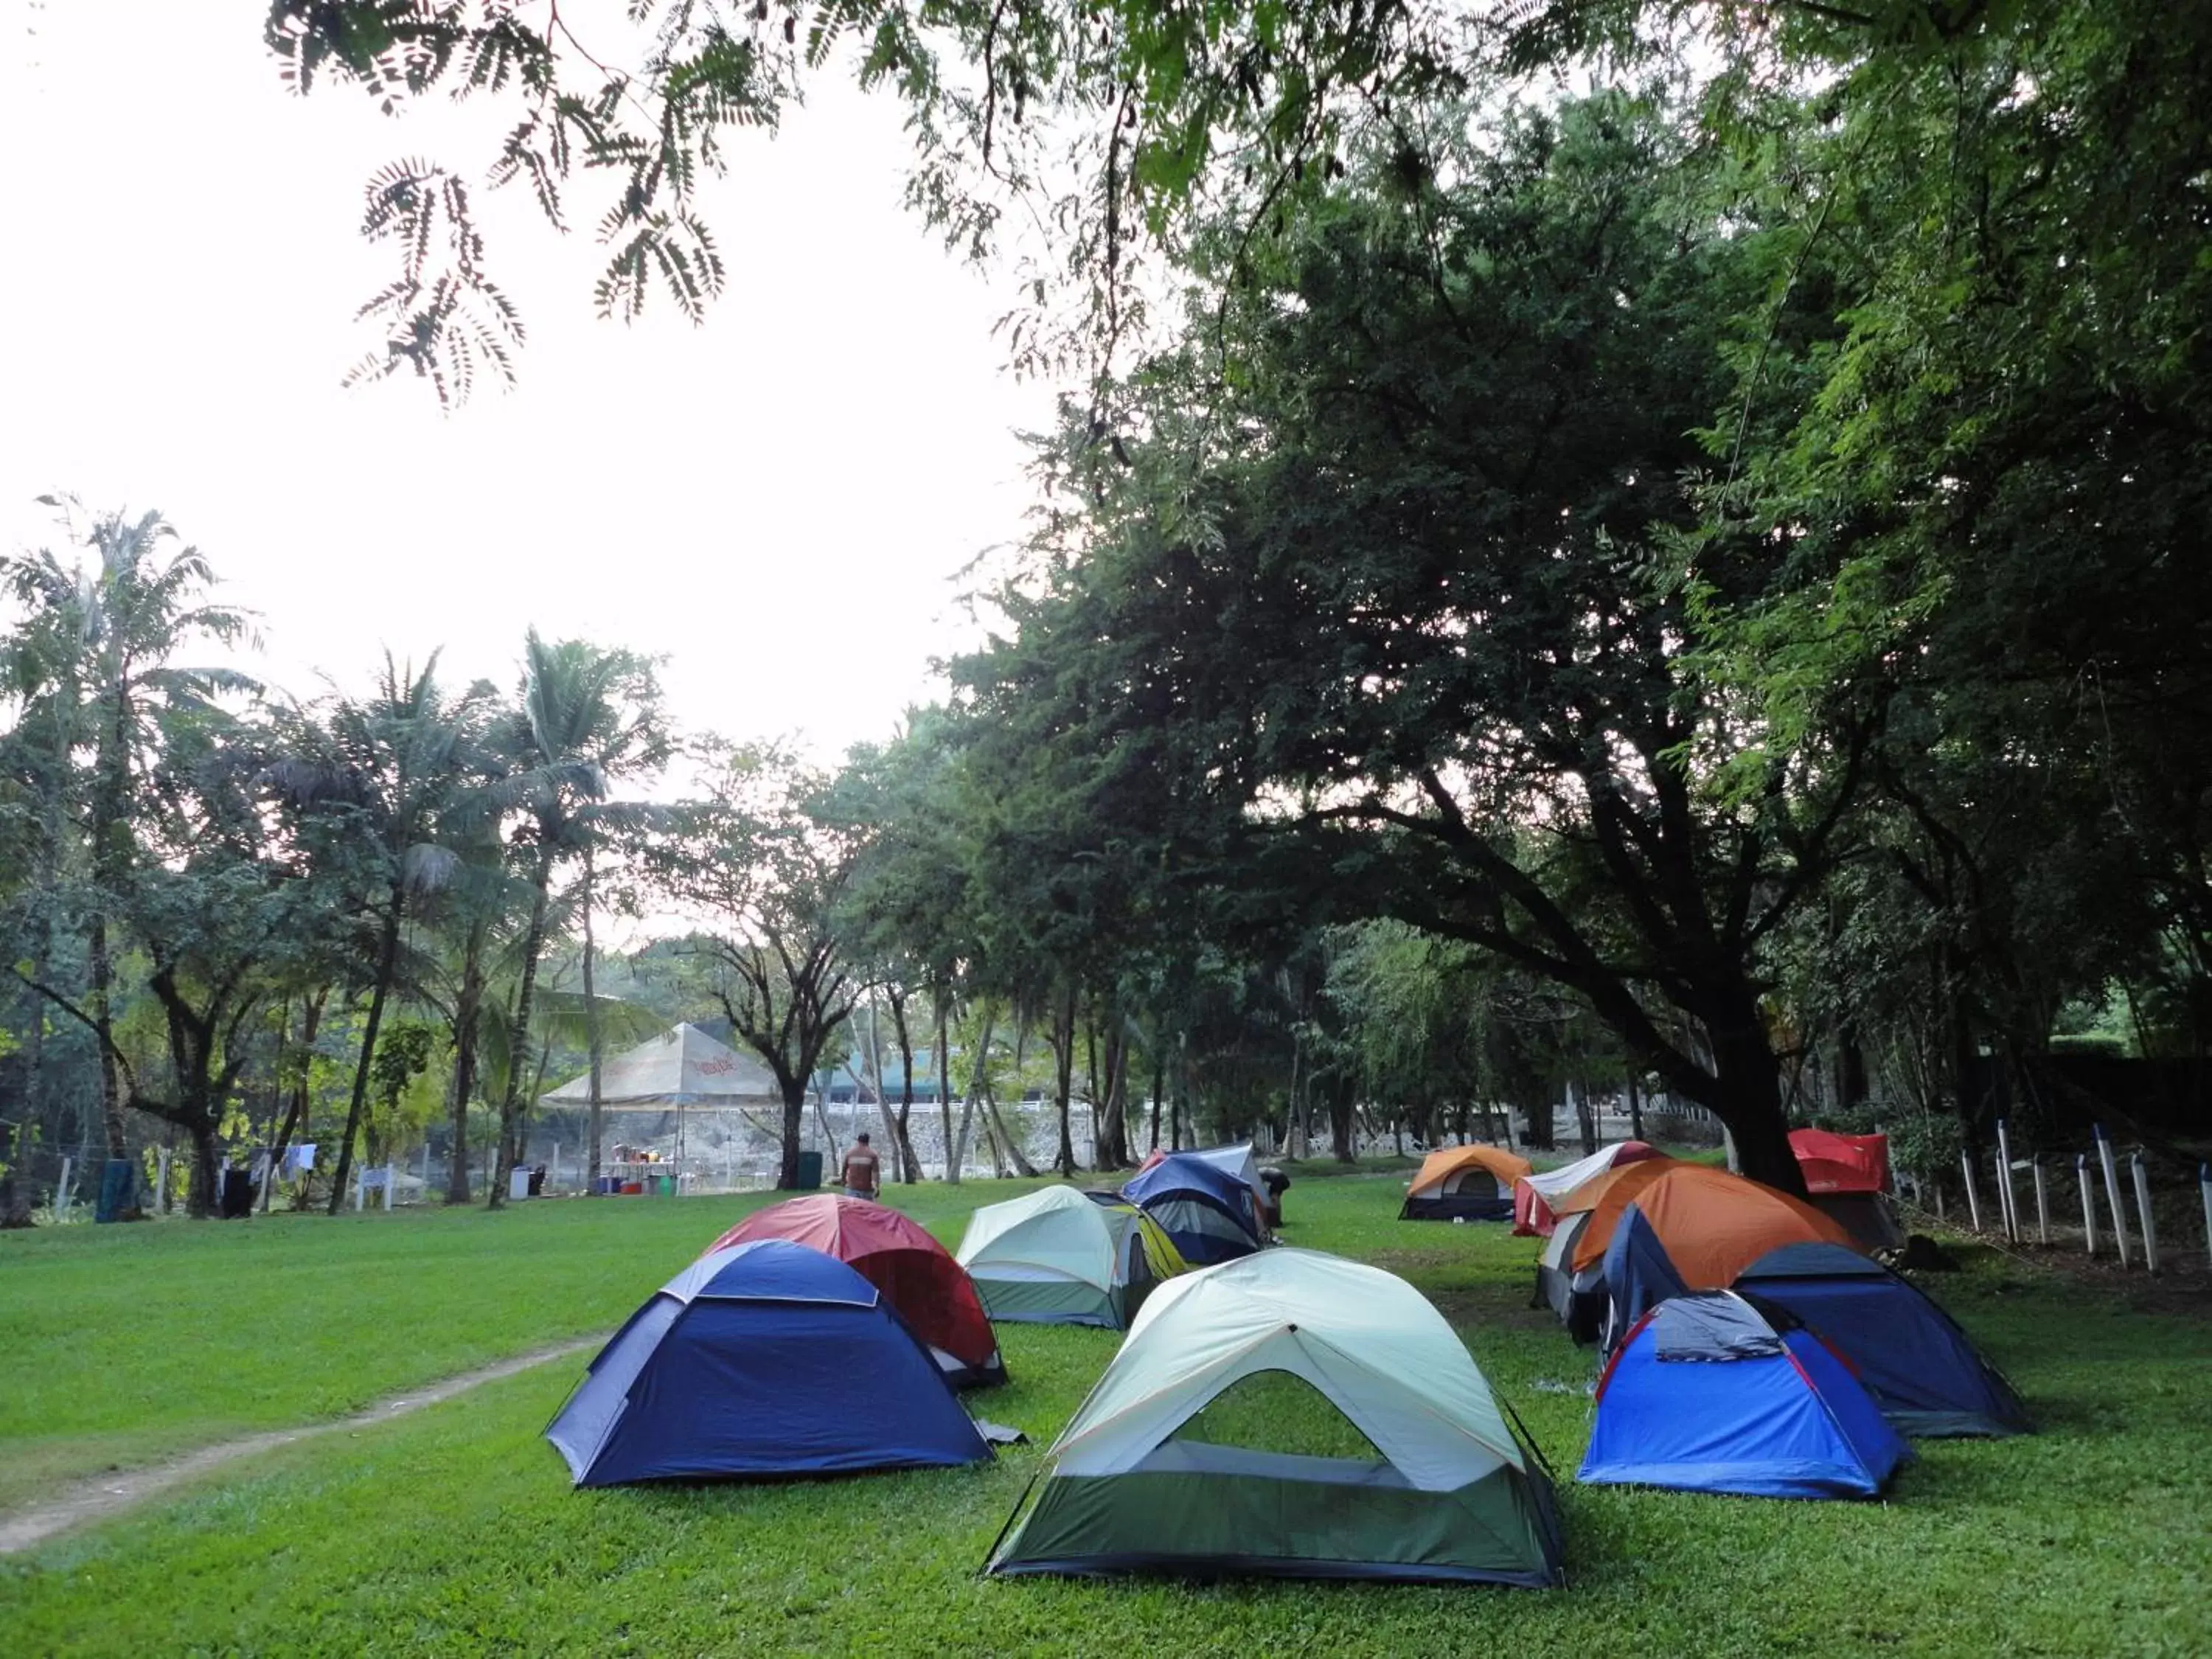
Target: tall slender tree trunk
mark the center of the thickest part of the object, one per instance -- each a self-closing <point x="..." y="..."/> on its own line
<point x="944" y="1000"/>
<point x="388" y="964"/>
<point x="909" y="1165"/>
<point x="103" y="1025"/>
<point x="1635" y="1106"/>
<point x="111" y="805"/>
<point x="533" y="942"/>
<point x="1064" y="1065"/>
<point x="1159" y="1088"/>
<point x="593" y="1039"/>
<point x="468" y="1021"/>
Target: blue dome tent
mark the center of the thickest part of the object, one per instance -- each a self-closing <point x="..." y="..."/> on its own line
<point x="1709" y="1393"/>
<point x="1919" y="1365"/>
<point x="763" y="1360"/>
<point x="1208" y="1213"/>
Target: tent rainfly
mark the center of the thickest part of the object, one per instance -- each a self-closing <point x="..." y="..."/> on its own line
<point x="764" y="1360"/>
<point x="1236" y="1160"/>
<point x="1712" y="1392"/>
<point x="1537" y="1198"/>
<point x="926" y="1288"/>
<point x="1454" y="1496"/>
<point x="1473" y="1182"/>
<point x="1057" y="1256"/>
<point x="1209" y="1213"/>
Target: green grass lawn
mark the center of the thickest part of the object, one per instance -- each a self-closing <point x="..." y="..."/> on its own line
<point x="455" y="1530"/>
<point x="144" y="1340"/>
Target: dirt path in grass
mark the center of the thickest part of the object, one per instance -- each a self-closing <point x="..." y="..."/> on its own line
<point x="104" y="1496"/>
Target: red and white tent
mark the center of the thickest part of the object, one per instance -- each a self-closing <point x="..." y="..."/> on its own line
<point x="1533" y="1195"/>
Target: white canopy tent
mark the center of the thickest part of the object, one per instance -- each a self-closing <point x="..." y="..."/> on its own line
<point x="681" y="1068"/>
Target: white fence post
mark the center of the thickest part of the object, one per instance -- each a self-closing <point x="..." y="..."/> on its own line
<point x="553" y="1170"/>
<point x="2042" y="1206"/>
<point x="1973" y="1198"/>
<point x="2117" y="1211"/>
<point x="360" y="1187"/>
<point x="391" y="1180"/>
<point x="2089" y="1201"/>
<point x="2143" y="1208"/>
<point x="161" y="1180"/>
<point x="62" y="1191"/>
<point x="2205" y="1185"/>
<point x="2006" y="1199"/>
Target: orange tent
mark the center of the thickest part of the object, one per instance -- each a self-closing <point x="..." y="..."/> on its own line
<point x="1475" y="1182"/>
<point x="1713" y="1224"/>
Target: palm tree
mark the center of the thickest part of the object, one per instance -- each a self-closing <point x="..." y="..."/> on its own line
<point x="105" y="632"/>
<point x="379" y="781"/>
<point x="589" y="717"/>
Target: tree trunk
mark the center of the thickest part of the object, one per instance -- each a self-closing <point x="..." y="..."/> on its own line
<point x="1064" y="1065"/>
<point x="1585" y="1118"/>
<point x="1537" y="1133"/>
<point x="103" y="1025"/>
<point x="110" y="808"/>
<point x="794" y="1114"/>
<point x="945" y="1086"/>
<point x="1749" y="1099"/>
<point x="207" y="1171"/>
<point x="533" y="942"/>
<point x="593" y="1041"/>
<point x="909" y="1165"/>
<point x="1340" y="1120"/>
<point x="1159" y="1088"/>
<point x="1114" y="1137"/>
<point x="387" y="962"/>
<point x="468" y="1018"/>
<point x="1635" y="1106"/>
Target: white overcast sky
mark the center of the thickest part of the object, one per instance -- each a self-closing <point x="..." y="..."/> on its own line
<point x="777" y="501"/>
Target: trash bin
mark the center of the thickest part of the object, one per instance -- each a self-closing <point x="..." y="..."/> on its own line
<point x="810" y="1171"/>
<point x="604" y="1186"/>
<point x="664" y="1186"/>
<point x="517" y="1183"/>
<point x="118" y="1186"/>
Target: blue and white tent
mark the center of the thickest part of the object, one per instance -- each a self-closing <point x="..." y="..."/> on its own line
<point x="1209" y="1213"/>
<point x="766" y="1358"/>
<point x="1709" y="1394"/>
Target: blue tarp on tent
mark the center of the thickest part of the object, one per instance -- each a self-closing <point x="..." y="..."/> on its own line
<point x="1919" y="1366"/>
<point x="765" y="1358"/>
<point x="1207" y="1212"/>
<point x="1706" y="1395"/>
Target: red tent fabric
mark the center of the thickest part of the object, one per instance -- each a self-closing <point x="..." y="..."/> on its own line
<point x="916" y="1274"/>
<point x="1841" y="1164"/>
